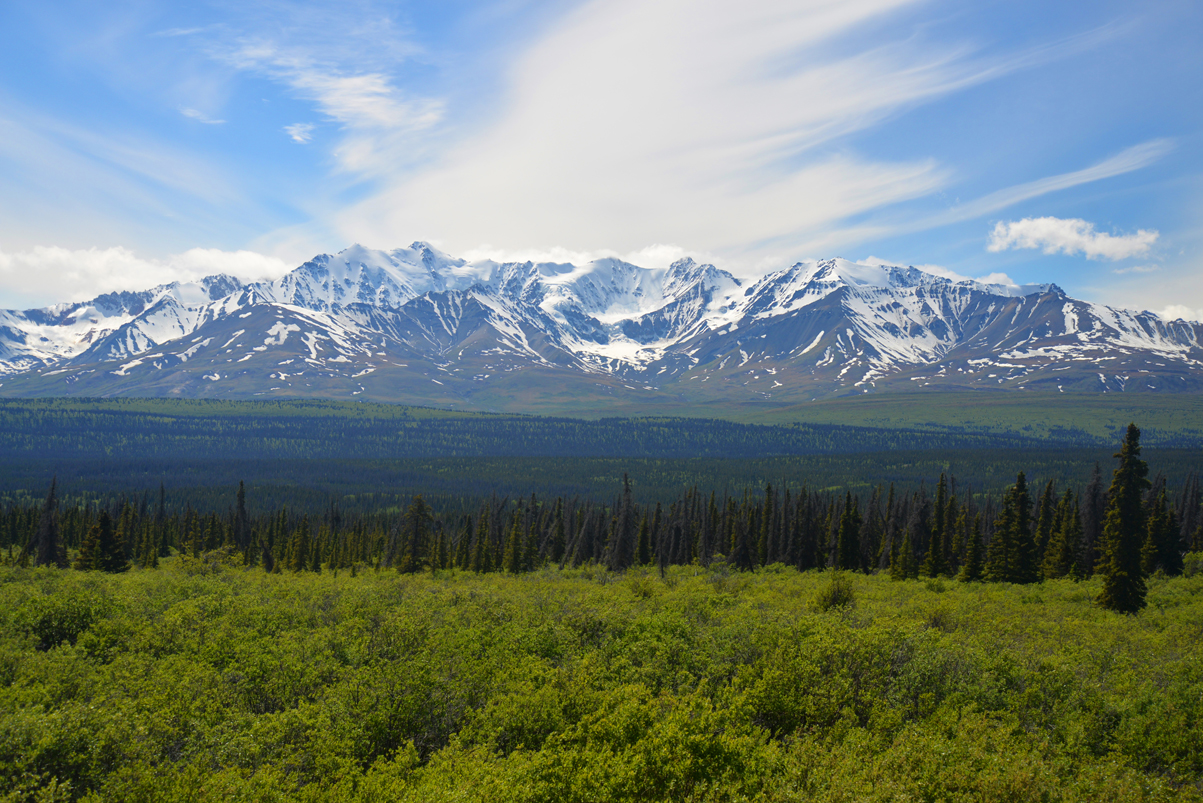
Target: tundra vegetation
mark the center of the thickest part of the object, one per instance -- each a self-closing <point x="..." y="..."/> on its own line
<point x="927" y="644"/>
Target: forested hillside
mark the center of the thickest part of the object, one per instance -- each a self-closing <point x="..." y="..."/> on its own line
<point x="298" y="430"/>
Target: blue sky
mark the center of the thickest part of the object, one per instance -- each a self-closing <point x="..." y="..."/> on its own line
<point x="145" y="141"/>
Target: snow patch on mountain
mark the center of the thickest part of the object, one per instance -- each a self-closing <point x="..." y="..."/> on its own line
<point x="355" y="313"/>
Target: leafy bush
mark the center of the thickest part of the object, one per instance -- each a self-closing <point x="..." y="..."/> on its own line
<point x="837" y="593"/>
<point x="233" y="684"/>
<point x="60" y="617"/>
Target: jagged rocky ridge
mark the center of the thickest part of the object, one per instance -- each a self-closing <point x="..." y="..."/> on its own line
<point x="418" y="326"/>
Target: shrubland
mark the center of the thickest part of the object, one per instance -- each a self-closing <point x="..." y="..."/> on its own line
<point x="207" y="680"/>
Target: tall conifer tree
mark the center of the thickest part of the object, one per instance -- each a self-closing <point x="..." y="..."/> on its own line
<point x="848" y="536"/>
<point x="1160" y="550"/>
<point x="971" y="570"/>
<point x="1046" y="510"/>
<point x="47" y="545"/>
<point x="1124" y="530"/>
<point x="513" y="545"/>
<point x="298" y="547"/>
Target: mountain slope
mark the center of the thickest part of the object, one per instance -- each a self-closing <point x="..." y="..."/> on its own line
<point x="419" y="326"/>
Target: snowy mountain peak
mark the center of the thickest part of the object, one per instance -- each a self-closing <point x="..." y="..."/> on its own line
<point x="435" y="323"/>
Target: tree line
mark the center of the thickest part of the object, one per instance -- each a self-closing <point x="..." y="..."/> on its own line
<point x="1125" y="531"/>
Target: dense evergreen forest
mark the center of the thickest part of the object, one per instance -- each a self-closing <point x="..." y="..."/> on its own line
<point x="944" y="529"/>
<point x="167" y="429"/>
<point x="360" y="487"/>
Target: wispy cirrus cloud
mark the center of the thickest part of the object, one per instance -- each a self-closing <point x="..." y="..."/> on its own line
<point x="1069" y="236"/>
<point x="200" y="117"/>
<point x="1129" y="159"/>
<point x="702" y="122"/>
<point x="300" y="132"/>
<point x="346" y="67"/>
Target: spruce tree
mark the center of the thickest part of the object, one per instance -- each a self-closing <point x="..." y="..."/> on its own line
<point x="242" y="524"/>
<point x="1046" y="510"/>
<point x="47" y="546"/>
<point x="1124" y="530"/>
<point x="88" y="558"/>
<point x="463" y="554"/>
<point x="1011" y="557"/>
<point x="439" y="560"/>
<point x="1065" y="544"/>
<point x="126" y="537"/>
<point x="1093" y="507"/>
<point x="848" y="536"/>
<point x="902" y="563"/>
<point x="480" y="549"/>
<point x="558" y="540"/>
<point x="934" y="563"/>
<point x="643" y="552"/>
<point x="112" y="550"/>
<point x="1027" y="567"/>
<point x="150" y="546"/>
<point x="939" y="525"/>
<point x="956" y="527"/>
<point x="766" y="524"/>
<point x="999" y="553"/>
<point x="298" y="547"/>
<point x="161" y="524"/>
<point x="513" y="546"/>
<point x="266" y="558"/>
<point x="317" y="549"/>
<point x="742" y="556"/>
<point x="1160" y="549"/>
<point x="530" y="550"/>
<point x="101" y="548"/>
<point x="971" y="570"/>
<point x="621" y="545"/>
<point x="415" y="536"/>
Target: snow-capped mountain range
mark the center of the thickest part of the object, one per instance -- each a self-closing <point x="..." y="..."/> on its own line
<point x="418" y="326"/>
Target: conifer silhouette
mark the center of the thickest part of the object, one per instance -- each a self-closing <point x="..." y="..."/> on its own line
<point x="1124" y="530"/>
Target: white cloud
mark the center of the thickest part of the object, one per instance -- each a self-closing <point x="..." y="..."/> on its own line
<point x="300" y="132"/>
<point x="653" y="256"/>
<point x="1070" y="236"/>
<point x="45" y="275"/>
<point x="997" y="278"/>
<point x="935" y="270"/>
<point x="200" y="117"/>
<point x="1136" y="269"/>
<point x="695" y="121"/>
<point x="1175" y="311"/>
<point x="379" y="120"/>
<point x="939" y="270"/>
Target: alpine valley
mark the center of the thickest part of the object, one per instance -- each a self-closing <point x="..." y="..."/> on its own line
<point x="417" y="326"/>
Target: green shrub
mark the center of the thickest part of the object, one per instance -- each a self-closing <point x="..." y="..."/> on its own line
<point x="838" y="593"/>
<point x="233" y="684"/>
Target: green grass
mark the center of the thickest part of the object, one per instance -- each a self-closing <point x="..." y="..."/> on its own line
<point x="203" y="682"/>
